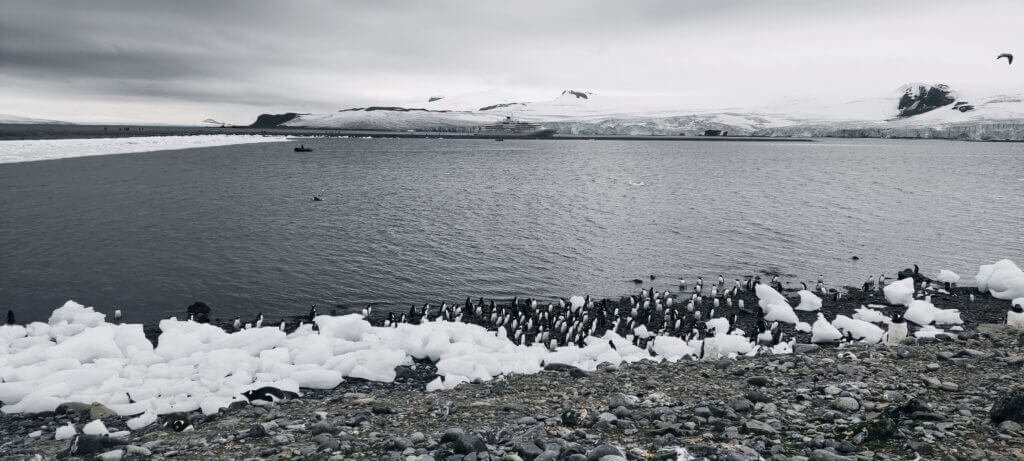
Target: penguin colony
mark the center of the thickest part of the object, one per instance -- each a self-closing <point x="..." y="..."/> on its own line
<point x="693" y="313"/>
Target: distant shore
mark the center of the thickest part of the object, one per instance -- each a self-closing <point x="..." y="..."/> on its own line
<point x="28" y="131"/>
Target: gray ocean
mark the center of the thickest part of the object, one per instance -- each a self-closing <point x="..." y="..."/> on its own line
<point x="408" y="221"/>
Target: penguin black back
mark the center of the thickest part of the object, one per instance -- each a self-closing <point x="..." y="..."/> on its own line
<point x="10" y="317"/>
<point x="268" y="394"/>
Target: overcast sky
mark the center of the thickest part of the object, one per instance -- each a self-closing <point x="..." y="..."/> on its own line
<point x="184" y="61"/>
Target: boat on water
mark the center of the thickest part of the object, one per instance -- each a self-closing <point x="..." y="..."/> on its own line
<point x="303" y="148"/>
<point x="510" y="127"/>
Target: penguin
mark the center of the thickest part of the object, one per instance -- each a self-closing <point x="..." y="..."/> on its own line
<point x="237" y="324"/>
<point x="117" y="315"/>
<point x="179" y="422"/>
<point x="281" y="326"/>
<point x="1015" y="316"/>
<point x="10" y="317"/>
<point x="259" y="320"/>
<point x="268" y="395"/>
<point x="312" y="313"/>
<point x="897" y="330"/>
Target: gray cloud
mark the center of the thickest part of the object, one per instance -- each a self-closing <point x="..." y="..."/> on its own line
<point x="228" y="59"/>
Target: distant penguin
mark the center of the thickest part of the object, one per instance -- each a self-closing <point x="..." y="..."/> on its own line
<point x="117" y="315"/>
<point x="199" y="312"/>
<point x="10" y="317"/>
<point x="1015" y="316"/>
<point x="179" y="422"/>
<point x="237" y="324"/>
<point x="268" y="395"/>
<point x="312" y="313"/>
<point x="897" y="330"/>
<point x="259" y="320"/>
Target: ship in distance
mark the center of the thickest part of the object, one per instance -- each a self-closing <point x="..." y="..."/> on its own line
<point x="510" y="127"/>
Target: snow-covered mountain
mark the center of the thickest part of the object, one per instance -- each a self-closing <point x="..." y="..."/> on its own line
<point x="912" y="110"/>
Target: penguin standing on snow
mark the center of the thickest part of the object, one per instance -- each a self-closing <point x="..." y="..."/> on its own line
<point x="1015" y="316"/>
<point x="268" y="395"/>
<point x="897" y="330"/>
<point x="10" y="317"/>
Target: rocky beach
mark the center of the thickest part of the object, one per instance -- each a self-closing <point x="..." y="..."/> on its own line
<point x="953" y="396"/>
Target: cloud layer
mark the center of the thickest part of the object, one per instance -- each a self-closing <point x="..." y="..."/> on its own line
<point x="184" y="61"/>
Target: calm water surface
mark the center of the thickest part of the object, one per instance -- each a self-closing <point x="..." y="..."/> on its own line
<point x="410" y="221"/>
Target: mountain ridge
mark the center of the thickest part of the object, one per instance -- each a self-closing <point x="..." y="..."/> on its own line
<point x="915" y="110"/>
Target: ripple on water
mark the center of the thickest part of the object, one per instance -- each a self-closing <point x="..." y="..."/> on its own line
<point x="410" y="221"/>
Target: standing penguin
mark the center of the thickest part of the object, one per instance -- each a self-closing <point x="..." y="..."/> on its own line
<point x="1015" y="316"/>
<point x="10" y="317"/>
<point x="897" y="330"/>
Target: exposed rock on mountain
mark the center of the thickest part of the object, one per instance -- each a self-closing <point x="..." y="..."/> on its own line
<point x="272" y="120"/>
<point x="919" y="98"/>
<point x="578" y="94"/>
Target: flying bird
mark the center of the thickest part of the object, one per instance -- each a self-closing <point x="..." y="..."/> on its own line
<point x="1008" y="56"/>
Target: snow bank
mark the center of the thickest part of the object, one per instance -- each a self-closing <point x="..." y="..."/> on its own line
<point x="808" y="301"/>
<point x="824" y="332"/>
<point x="947" y="276"/>
<point x="859" y="329"/>
<point x="78" y="357"/>
<point x="1003" y="279"/>
<point x="924" y="313"/>
<point x="900" y="292"/>
<point x="50" y="149"/>
<point x="774" y="305"/>
<point x="868" y="314"/>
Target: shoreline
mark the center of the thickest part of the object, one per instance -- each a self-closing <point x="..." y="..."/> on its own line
<point x="38" y="132"/>
<point x="810" y="404"/>
<point x="815" y="404"/>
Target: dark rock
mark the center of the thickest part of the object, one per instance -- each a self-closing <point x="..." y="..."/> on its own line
<point x="381" y="409"/>
<point x="259" y="430"/>
<point x="758" y="427"/>
<point x="602" y="450"/>
<point x="572" y="418"/>
<point x="918" y="99"/>
<point x="803" y="348"/>
<point x="826" y="455"/>
<point x="740" y="404"/>
<point x="463" y="443"/>
<point x="326" y="442"/>
<point x="755" y="396"/>
<point x="758" y="381"/>
<point x="527" y="449"/>
<point x="272" y="120"/>
<point x="1008" y="406"/>
<point x="84" y="444"/>
<point x="619" y="399"/>
<point x="321" y="427"/>
<point x="404" y="372"/>
<point x="921" y="448"/>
